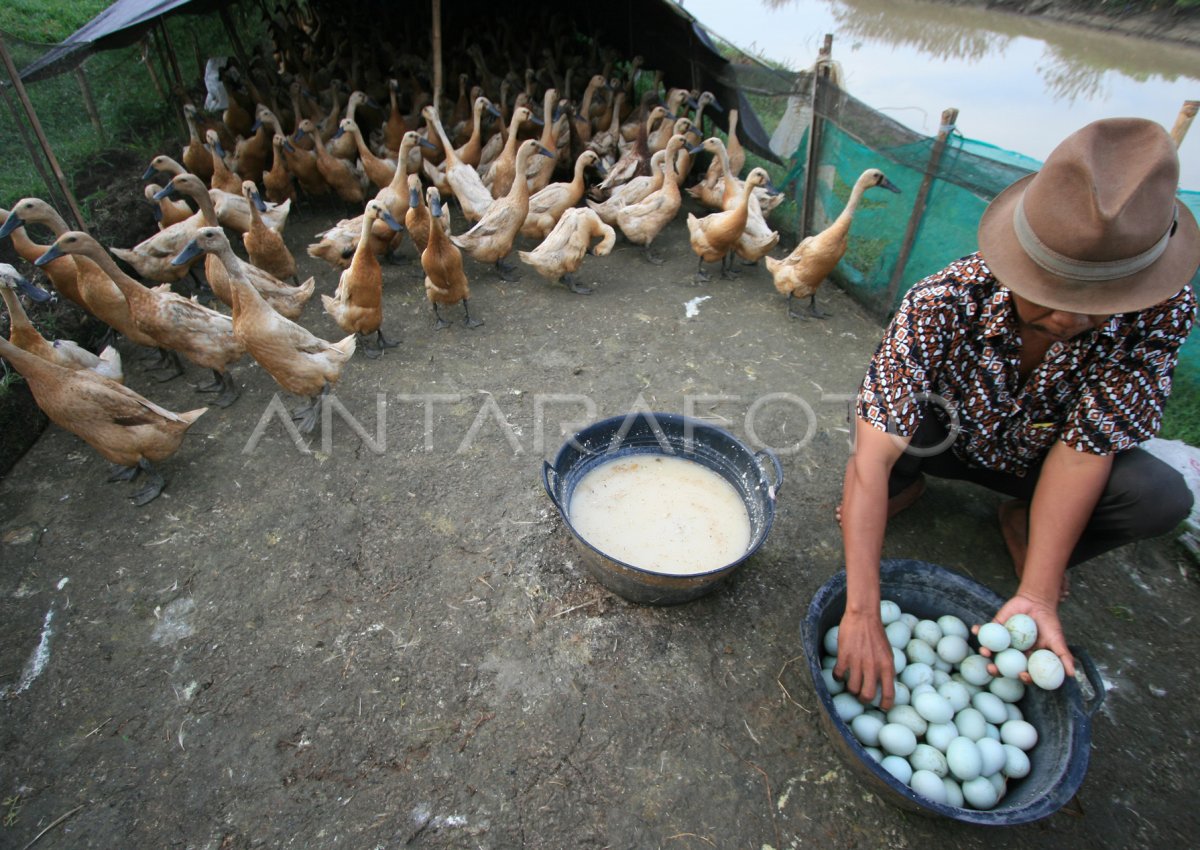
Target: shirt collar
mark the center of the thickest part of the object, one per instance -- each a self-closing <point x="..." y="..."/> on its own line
<point x="998" y="318"/>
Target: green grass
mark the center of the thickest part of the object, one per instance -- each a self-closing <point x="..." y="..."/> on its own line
<point x="47" y="21"/>
<point x="1181" y="417"/>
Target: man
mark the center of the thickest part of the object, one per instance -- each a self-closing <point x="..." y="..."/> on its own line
<point x="1033" y="367"/>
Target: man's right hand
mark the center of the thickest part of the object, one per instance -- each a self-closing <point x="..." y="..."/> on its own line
<point x="864" y="659"/>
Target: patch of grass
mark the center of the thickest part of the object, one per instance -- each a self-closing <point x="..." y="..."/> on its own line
<point x="1181" y="417"/>
<point x="48" y="21"/>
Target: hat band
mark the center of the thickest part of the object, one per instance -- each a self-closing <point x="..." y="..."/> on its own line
<point x="1084" y="270"/>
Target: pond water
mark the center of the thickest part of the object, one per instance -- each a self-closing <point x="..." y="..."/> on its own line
<point x="1020" y="83"/>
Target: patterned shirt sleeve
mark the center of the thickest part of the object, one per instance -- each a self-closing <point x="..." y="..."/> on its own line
<point x="1122" y="404"/>
<point x="899" y="376"/>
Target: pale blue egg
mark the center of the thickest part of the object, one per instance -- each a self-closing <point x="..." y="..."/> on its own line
<point x="928" y="785"/>
<point x="963" y="759"/>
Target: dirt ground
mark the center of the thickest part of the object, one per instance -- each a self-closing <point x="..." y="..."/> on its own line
<point x="384" y="638"/>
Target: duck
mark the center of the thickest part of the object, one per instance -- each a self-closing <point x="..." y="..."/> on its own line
<point x="757" y="239"/>
<point x="548" y="204"/>
<point x="472" y="149"/>
<point x="339" y="145"/>
<point x="222" y="177"/>
<point x="561" y="253"/>
<point x="631" y="192"/>
<point x="165" y="211"/>
<point x="541" y="169"/>
<point x="737" y="153"/>
<point x="583" y="123"/>
<point x="379" y="171"/>
<point x="643" y="221"/>
<point x="232" y="210"/>
<point x="635" y="162"/>
<point x="490" y="240"/>
<point x="252" y="153"/>
<point x="397" y="195"/>
<point x="176" y="323"/>
<point x="445" y="280"/>
<point x="62" y="273"/>
<point x="124" y="427"/>
<point x="288" y="300"/>
<point x="302" y="164"/>
<point x="473" y="196"/>
<point x="338" y="174"/>
<point x="265" y="248"/>
<point x="196" y="157"/>
<point x="417" y="218"/>
<point x="801" y="272"/>
<point x="713" y="236"/>
<point x="96" y="292"/>
<point x="714" y="191"/>
<point x="277" y="181"/>
<point x="499" y="178"/>
<point x="300" y="362"/>
<point x="357" y="305"/>
<point x="395" y="127"/>
<point x="64" y="352"/>
<point x="604" y="142"/>
<point x="660" y="135"/>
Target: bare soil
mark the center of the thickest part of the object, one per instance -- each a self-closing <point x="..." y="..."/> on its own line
<point x="384" y="637"/>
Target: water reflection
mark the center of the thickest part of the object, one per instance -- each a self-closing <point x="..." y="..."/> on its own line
<point x="1075" y="61"/>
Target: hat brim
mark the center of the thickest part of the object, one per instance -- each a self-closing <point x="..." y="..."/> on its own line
<point x="1012" y="266"/>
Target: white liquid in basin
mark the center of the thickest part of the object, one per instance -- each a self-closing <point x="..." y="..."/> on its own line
<point x="661" y="513"/>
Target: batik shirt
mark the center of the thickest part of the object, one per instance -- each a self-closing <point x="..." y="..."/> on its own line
<point x="953" y="350"/>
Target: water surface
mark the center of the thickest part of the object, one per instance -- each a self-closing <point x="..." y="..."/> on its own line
<point x="1018" y="82"/>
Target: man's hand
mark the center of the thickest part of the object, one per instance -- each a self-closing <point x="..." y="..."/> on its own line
<point x="1050" y="631"/>
<point x="865" y="658"/>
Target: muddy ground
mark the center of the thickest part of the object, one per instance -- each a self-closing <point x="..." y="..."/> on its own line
<point x="384" y="638"/>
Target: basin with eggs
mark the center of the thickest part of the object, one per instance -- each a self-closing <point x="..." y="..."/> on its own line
<point x="663" y="507"/>
<point x="1062" y="718"/>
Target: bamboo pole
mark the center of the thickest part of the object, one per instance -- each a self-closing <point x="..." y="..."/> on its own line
<point x="821" y="70"/>
<point x="30" y="147"/>
<point x="31" y="114"/>
<point x="89" y="102"/>
<point x="437" y="54"/>
<point x="1184" y="120"/>
<point x="169" y="50"/>
<point x="949" y="119"/>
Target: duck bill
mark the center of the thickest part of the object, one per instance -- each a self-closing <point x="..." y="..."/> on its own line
<point x="715" y="105"/>
<point x="165" y="192"/>
<point x="544" y="151"/>
<point x="190" y="251"/>
<point x="424" y="142"/>
<point x="493" y="111"/>
<point x="435" y="206"/>
<point x="150" y="173"/>
<point x="259" y="204"/>
<point x="33" y="293"/>
<point x="156" y="211"/>
<point x="52" y="254"/>
<point x="341" y="131"/>
<point x="390" y="220"/>
<point x="414" y="198"/>
<point x="884" y="183"/>
<point x="14" y="221"/>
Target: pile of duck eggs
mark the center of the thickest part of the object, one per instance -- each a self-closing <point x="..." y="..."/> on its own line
<point x="954" y="733"/>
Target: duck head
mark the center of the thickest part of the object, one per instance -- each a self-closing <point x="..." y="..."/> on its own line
<point x="14" y="280"/>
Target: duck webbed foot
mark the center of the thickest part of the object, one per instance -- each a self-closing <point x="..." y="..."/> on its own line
<point x="792" y="314"/>
<point x="123" y="473"/>
<point x="701" y="276"/>
<point x="441" y="323"/>
<point x="652" y="257"/>
<point x="306" y="416"/>
<point x="467" y="320"/>
<point x="574" y="285"/>
<point x="155" y="484"/>
<point x="507" y="271"/>
<point x="171" y="363"/>
<point x="364" y="345"/>
<point x="229" y="391"/>
<point x="816" y="311"/>
<point x="383" y="342"/>
<point x="728" y="272"/>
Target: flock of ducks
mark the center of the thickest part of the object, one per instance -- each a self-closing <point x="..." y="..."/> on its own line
<point x="395" y="168"/>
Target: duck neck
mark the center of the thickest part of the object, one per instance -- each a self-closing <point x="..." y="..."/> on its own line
<point x="17" y="319"/>
<point x="29" y="365"/>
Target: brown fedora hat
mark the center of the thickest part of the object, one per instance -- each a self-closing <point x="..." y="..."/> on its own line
<point x="1098" y="229"/>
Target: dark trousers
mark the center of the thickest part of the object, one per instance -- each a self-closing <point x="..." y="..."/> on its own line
<point x="1144" y="496"/>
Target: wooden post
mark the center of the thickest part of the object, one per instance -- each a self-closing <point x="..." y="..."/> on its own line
<point x="437" y="55"/>
<point x="1184" y="120"/>
<point x="30" y="148"/>
<point x="821" y="70"/>
<point x="88" y="102"/>
<point x="949" y="119"/>
<point x="169" y="49"/>
<point x="61" y="178"/>
<point x="231" y="30"/>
